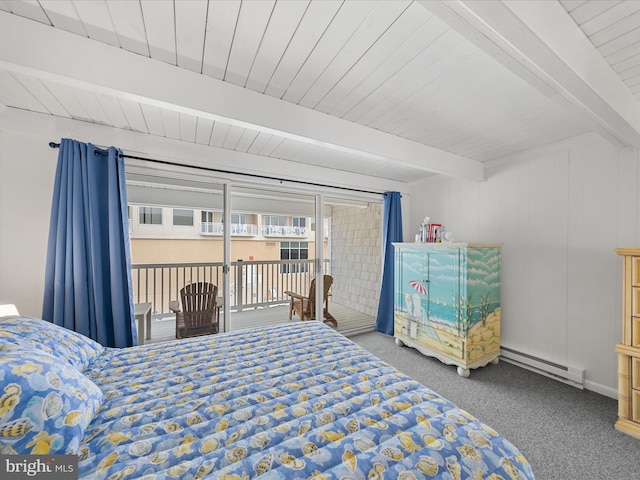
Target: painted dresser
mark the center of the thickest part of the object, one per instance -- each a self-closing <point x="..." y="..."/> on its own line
<point x="628" y="349"/>
<point x="447" y="301"/>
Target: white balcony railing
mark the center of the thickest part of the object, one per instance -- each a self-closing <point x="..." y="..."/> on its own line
<point x="284" y="231"/>
<point x="254" y="283"/>
<point x="237" y="229"/>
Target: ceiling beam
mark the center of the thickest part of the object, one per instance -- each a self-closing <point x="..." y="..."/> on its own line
<point x="51" y="128"/>
<point x="77" y="61"/>
<point x="541" y="43"/>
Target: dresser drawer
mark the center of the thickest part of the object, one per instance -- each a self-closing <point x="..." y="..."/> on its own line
<point x="635" y="301"/>
<point x="634" y="320"/>
<point x="635" y="316"/>
<point x="635" y="389"/>
<point x="635" y="331"/>
<point x="635" y="405"/>
<point x="635" y="271"/>
<point x="448" y="344"/>
<point x="448" y="330"/>
<point x="635" y="373"/>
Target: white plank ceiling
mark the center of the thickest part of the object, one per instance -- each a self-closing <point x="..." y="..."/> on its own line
<point x="613" y="27"/>
<point x="418" y="78"/>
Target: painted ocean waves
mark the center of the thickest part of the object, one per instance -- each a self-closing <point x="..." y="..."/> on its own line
<point x="448" y="302"/>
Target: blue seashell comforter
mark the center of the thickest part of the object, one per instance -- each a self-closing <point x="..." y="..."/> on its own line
<point x="297" y="401"/>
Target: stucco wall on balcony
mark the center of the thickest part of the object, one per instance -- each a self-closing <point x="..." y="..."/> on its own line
<point x="356" y="257"/>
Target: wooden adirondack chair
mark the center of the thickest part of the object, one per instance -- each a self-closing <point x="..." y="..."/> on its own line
<point x="304" y="307"/>
<point x="200" y="313"/>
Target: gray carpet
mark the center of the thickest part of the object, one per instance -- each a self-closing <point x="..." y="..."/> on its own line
<point x="565" y="432"/>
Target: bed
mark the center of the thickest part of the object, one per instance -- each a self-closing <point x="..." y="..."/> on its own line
<point x="293" y="401"/>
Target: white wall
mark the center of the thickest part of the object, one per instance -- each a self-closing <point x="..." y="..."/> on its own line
<point x="27" y="171"/>
<point x="560" y="212"/>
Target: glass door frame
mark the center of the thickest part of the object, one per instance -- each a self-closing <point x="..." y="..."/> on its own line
<point x="226" y="253"/>
<point x="319" y="255"/>
<point x="226" y="269"/>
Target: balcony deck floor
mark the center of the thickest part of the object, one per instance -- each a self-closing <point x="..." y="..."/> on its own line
<point x="350" y="321"/>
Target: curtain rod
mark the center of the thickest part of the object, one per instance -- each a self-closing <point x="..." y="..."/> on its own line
<point x="217" y="170"/>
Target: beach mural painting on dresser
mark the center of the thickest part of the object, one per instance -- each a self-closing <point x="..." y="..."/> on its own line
<point x="447" y="301"/>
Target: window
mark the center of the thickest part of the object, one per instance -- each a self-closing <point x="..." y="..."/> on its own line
<point x="299" y="221"/>
<point x="206" y="217"/>
<point x="239" y="218"/>
<point x="183" y="217"/>
<point x="207" y="225"/>
<point x="150" y="216"/>
<point x="294" y="251"/>
<point x="275" y="220"/>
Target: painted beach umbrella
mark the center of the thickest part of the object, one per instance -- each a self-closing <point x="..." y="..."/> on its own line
<point x="418" y="286"/>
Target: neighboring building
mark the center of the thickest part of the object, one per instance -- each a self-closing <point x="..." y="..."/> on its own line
<point x="170" y="246"/>
<point x="179" y="235"/>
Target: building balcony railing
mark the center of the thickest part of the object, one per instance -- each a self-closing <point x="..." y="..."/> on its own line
<point x="254" y="283"/>
<point x="284" y="231"/>
<point x="237" y="229"/>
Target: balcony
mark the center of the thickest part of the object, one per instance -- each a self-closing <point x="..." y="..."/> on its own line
<point x="254" y="283"/>
<point x="284" y="231"/>
<point x="237" y="229"/>
<point x="256" y="299"/>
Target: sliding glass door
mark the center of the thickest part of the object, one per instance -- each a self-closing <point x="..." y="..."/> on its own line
<point x="175" y="241"/>
<point x="273" y="253"/>
<point x="260" y="245"/>
<point x="353" y="230"/>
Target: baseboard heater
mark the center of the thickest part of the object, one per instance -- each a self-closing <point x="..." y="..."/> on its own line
<point x="569" y="375"/>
